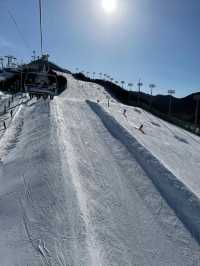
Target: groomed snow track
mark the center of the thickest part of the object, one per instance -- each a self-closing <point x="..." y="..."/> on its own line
<point x="76" y="189"/>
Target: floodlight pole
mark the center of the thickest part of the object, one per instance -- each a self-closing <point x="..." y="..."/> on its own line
<point x="170" y="92"/>
<point x="197" y="99"/>
<point x="140" y="84"/>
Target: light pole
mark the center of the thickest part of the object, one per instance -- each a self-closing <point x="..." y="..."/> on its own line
<point x="197" y="99"/>
<point x="130" y="86"/>
<point x="151" y="86"/>
<point x="170" y="92"/>
<point x="140" y="84"/>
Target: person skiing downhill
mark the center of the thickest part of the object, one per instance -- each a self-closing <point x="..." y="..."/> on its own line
<point x="125" y="113"/>
<point x="4" y="124"/>
<point x="141" y="128"/>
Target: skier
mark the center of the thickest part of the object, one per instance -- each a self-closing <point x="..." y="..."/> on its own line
<point x="108" y="98"/>
<point x="141" y="128"/>
<point x="125" y="113"/>
<point x="11" y="113"/>
<point x="4" y="124"/>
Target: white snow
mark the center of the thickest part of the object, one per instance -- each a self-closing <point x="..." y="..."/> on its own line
<point x="176" y="148"/>
<point x="72" y="194"/>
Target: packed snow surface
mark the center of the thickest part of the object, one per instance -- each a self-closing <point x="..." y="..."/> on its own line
<point x="176" y="148"/>
<point x="72" y="194"/>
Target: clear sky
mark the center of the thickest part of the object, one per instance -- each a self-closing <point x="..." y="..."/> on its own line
<point x="155" y="40"/>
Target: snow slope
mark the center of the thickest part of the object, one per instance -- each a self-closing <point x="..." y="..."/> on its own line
<point x="176" y="148"/>
<point x="72" y="194"/>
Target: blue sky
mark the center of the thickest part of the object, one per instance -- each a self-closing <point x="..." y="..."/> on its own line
<point x="155" y="40"/>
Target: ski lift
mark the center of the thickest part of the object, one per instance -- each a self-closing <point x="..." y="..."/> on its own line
<point x="41" y="84"/>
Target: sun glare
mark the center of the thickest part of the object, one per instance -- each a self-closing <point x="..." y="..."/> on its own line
<point x="109" y="5"/>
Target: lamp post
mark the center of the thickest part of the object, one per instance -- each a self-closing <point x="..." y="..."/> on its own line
<point x="140" y="84"/>
<point x="197" y="99"/>
<point x="130" y="86"/>
<point x="170" y="92"/>
<point x="151" y="86"/>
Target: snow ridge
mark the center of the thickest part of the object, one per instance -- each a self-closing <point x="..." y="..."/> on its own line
<point x="178" y="196"/>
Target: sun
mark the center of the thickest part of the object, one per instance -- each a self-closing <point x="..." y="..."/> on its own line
<point x="109" y="5"/>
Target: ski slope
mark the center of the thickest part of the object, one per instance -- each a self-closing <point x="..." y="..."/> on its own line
<point x="73" y="194"/>
<point x="176" y="148"/>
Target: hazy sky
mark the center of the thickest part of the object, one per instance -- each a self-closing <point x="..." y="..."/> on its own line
<point x="155" y="40"/>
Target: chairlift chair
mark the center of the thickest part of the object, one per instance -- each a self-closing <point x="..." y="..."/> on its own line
<point x="41" y="84"/>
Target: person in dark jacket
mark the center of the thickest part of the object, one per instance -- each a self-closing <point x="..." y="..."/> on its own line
<point x="125" y="113"/>
<point x="141" y="128"/>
